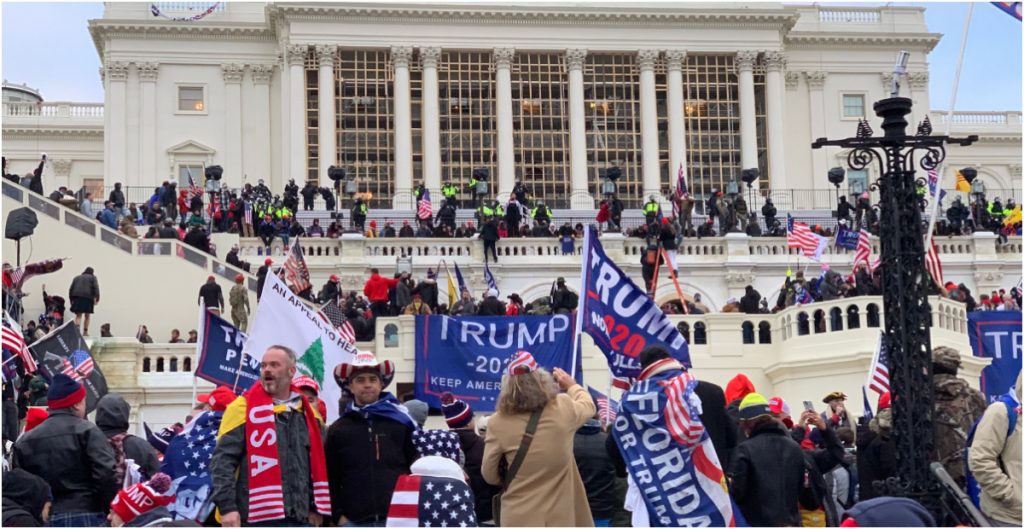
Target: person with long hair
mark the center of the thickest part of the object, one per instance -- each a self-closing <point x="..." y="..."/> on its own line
<point x="547" y="489"/>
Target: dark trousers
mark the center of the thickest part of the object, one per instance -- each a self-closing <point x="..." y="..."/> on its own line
<point x="492" y="246"/>
<point x="10" y="420"/>
<point x="379" y="308"/>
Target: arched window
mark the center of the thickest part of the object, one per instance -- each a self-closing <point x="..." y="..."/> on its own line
<point x="853" y="317"/>
<point x="187" y="364"/>
<point x="873" y="320"/>
<point x="174" y="364"/>
<point x="748" y="332"/>
<point x="159" y="364"/>
<point x="391" y="335"/>
<point x="764" y="332"/>
<point x="819" y="321"/>
<point x="147" y="365"/>
<point x="803" y="324"/>
<point x="836" y="317"/>
<point x="684" y="329"/>
<point x="700" y="336"/>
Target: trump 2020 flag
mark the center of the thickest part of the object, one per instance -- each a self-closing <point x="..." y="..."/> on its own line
<point x="65" y="351"/>
<point x="282" y="318"/>
<point x="220" y="354"/>
<point x="187" y="462"/>
<point x="658" y="423"/>
<point x="619" y="315"/>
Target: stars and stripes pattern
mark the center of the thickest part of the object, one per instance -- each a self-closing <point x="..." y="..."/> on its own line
<point x="932" y="263"/>
<point x="248" y="212"/>
<point x="680" y="188"/>
<point x="425" y="210"/>
<point x="22" y="274"/>
<point x="863" y="253"/>
<point x="296" y="273"/>
<point x="444" y="443"/>
<point x="346" y="332"/>
<point x="606" y="407"/>
<point x="878" y="376"/>
<point x="78" y="365"/>
<point x="187" y="460"/>
<point x="192" y="189"/>
<point x="14" y="341"/>
<point x="521" y="363"/>
<point x="1010" y="8"/>
<point x="799" y="235"/>
<point x="683" y="429"/>
<point x="331" y="313"/>
<point x="426" y="501"/>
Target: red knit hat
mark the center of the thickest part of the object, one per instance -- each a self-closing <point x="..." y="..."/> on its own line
<point x="142" y="497"/>
<point x="885" y="401"/>
<point x="35" y="417"/>
<point x="64" y="392"/>
<point x="268" y="261"/>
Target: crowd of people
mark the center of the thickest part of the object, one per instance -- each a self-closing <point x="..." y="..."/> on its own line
<point x="817" y="467"/>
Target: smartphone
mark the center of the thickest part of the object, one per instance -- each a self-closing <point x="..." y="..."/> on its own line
<point x="808" y="405"/>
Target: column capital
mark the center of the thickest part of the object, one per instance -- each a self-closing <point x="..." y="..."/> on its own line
<point x="429" y="56"/>
<point x="117" y="71"/>
<point x="503" y="57"/>
<point x="774" y="61"/>
<point x="886" y="81"/>
<point x="147" y="71"/>
<point x="325" y="54"/>
<point x="261" y="73"/>
<point x="296" y="54"/>
<point x="574" y="58"/>
<point x="401" y="55"/>
<point x="792" y="80"/>
<point x="745" y="60"/>
<point x="232" y="72"/>
<point x="917" y="80"/>
<point x="816" y="80"/>
<point x="1014" y="169"/>
<point x="645" y="59"/>
<point x="103" y="74"/>
<point x="674" y="59"/>
<point x="61" y="167"/>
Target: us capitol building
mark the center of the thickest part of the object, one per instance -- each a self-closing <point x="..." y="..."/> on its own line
<point x="552" y="94"/>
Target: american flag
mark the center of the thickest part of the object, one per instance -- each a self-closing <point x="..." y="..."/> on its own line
<point x="187" y="460"/>
<point x="933" y="264"/>
<point x="14" y="341"/>
<point x="863" y="253"/>
<point x="489" y="277"/>
<point x="878" y="376"/>
<point x="798" y="235"/>
<point x="521" y="362"/>
<point x="22" y="274"/>
<point x="296" y="273"/>
<point x="192" y="189"/>
<point x="680" y="188"/>
<point x="331" y="313"/>
<point x="425" y="210"/>
<point x="684" y="429"/>
<point x="248" y="212"/>
<point x="606" y="407"/>
<point x="426" y="501"/>
<point x="78" y="365"/>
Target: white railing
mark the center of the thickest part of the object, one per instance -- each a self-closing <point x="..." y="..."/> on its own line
<point x="54" y="109"/>
<point x="1007" y="119"/>
<point x="849" y="15"/>
<point x="189" y="8"/>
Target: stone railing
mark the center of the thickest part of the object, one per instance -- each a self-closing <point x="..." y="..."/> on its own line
<point x="978" y="122"/>
<point x="54" y="109"/>
<point x="848" y="15"/>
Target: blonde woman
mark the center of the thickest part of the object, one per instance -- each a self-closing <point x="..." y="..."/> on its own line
<point x="546" y="490"/>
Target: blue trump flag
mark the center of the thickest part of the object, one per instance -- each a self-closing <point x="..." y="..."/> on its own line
<point x="846" y="238"/>
<point x="187" y="462"/>
<point x="620" y="316"/>
<point x="996" y="335"/>
<point x="467" y="356"/>
<point x="220" y="355"/>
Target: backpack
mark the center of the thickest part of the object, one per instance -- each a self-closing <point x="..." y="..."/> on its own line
<point x="973" y="489"/>
<point x="117" y="443"/>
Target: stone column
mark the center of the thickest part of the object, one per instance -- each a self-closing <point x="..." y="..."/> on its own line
<point x="131" y="146"/>
<point x="402" y="197"/>
<point x="649" y="124"/>
<point x="297" y="111"/>
<point x="62" y="174"/>
<point x="328" y="117"/>
<point x="148" y="72"/>
<point x="580" y="198"/>
<point x="431" y="120"/>
<point x="748" y="122"/>
<point x="506" y="144"/>
<point x="775" y="95"/>
<point x="233" y="74"/>
<point x="257" y="125"/>
<point x="115" y="168"/>
<point x="284" y="126"/>
<point x="676" y="114"/>
<point x="918" y="84"/>
<point x="815" y="86"/>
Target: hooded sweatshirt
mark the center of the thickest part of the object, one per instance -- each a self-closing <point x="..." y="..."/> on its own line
<point x="24" y="496"/>
<point x="740" y="386"/>
<point x="112" y="413"/>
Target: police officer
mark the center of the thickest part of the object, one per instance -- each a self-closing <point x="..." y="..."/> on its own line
<point x="522" y="193"/>
<point x="359" y="211"/>
<point x="309" y="192"/>
<point x="291" y="195"/>
<point x="651" y="209"/>
<point x="484" y="212"/>
<point x="418" y="192"/>
<point x="262" y="190"/>
<point x="540" y="213"/>
<point x="446" y="216"/>
<point x="768" y="211"/>
<point x="328" y="198"/>
<point x="450" y="193"/>
<point x="472" y="189"/>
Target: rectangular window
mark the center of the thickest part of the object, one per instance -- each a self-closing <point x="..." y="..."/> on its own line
<point x="94" y="185"/>
<point x="191" y="99"/>
<point x="197" y="170"/>
<point x="853" y="106"/>
<point x="857" y="179"/>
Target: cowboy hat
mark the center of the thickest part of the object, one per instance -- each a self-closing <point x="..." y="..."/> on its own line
<point x="364" y="361"/>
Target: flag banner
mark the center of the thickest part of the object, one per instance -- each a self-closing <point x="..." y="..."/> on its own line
<point x="607" y="409"/>
<point x="1010" y="8"/>
<point x="863" y="250"/>
<point x="997" y="335"/>
<point x="878" y="373"/>
<point x="14" y="341"/>
<point x="620" y="316"/>
<point x="468" y="355"/>
<point x="22" y="274"/>
<point x="424" y="209"/>
<point x="799" y="235"/>
<point x="962" y="185"/>
<point x="847" y="238"/>
<point x="868" y="414"/>
<point x="65" y="351"/>
<point x="296" y="273"/>
<point x="429" y="501"/>
<point x="187" y="462"/>
<point x="220" y="347"/>
<point x="458" y="275"/>
<point x="489" y="277"/>
<point x="659" y="421"/>
<point x="282" y="318"/>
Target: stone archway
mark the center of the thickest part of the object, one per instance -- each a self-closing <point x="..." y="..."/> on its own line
<point x="667" y="292"/>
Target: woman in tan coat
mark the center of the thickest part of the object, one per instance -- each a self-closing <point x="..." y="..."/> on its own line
<point x="547" y="490"/>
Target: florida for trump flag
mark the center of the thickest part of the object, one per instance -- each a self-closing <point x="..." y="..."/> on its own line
<point x="659" y="421"/>
<point x="428" y="501"/>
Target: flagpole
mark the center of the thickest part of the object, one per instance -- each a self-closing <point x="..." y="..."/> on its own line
<point x="949" y="127"/>
<point x="201" y="333"/>
<point x="577" y="344"/>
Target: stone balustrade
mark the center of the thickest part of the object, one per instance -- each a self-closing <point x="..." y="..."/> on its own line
<point x="53" y="109"/>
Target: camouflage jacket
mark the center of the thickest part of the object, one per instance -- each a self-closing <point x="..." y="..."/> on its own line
<point x="957" y="407"/>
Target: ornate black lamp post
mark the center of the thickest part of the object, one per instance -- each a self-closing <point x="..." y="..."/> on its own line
<point x="905" y="284"/>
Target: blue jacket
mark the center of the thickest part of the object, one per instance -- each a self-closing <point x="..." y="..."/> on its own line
<point x="108" y="217"/>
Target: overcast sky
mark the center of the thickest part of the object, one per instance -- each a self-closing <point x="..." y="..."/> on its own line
<point x="48" y="47"/>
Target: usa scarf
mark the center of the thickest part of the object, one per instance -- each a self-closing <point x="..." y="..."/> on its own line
<point x="266" y="496"/>
<point x="386" y="407"/>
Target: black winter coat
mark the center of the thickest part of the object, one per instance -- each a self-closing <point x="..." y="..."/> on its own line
<point x="112" y="418"/>
<point x="473" y="446"/>
<point x="767" y="478"/>
<point x="117" y="197"/>
<point x="720" y="426"/>
<point x="490" y="307"/>
<point x="489" y="231"/>
<point x="596" y="468"/>
<point x="36" y="183"/>
<point x="876" y="460"/>
<point x="25" y="495"/>
<point x="75" y="459"/>
<point x="427" y="289"/>
<point x="365" y="457"/>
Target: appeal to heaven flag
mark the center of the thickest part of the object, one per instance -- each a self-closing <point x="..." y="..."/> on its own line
<point x="282" y="318"/>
